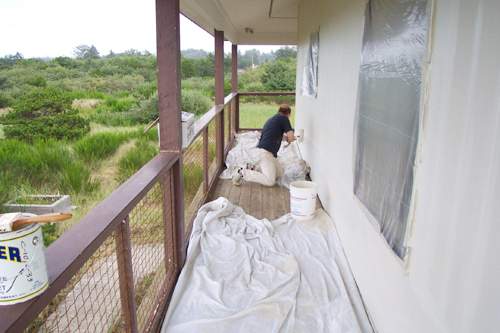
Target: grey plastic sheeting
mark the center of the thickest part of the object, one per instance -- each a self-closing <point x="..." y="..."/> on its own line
<point x="309" y="85"/>
<point x="394" y="46"/>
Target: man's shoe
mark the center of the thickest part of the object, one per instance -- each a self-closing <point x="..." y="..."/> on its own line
<point x="238" y="177"/>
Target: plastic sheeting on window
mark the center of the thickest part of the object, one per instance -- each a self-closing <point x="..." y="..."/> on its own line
<point x="310" y="77"/>
<point x="394" y="46"/>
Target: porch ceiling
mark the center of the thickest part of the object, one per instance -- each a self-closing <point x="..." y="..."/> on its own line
<point x="247" y="22"/>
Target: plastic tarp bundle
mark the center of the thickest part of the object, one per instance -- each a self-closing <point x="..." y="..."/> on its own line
<point x="245" y="152"/>
<point x="394" y="46"/>
<point x="249" y="275"/>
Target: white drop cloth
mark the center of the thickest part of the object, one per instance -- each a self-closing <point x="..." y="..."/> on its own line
<point x="249" y="275"/>
<point x="245" y="152"/>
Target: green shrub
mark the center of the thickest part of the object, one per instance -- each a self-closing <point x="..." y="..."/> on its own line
<point x="41" y="102"/>
<point x="135" y="159"/>
<point x="195" y="102"/>
<point x="66" y="62"/>
<point x="142" y="113"/>
<point x="37" y="81"/>
<point x="60" y="127"/>
<point x="120" y="104"/>
<point x="279" y="75"/>
<point x="76" y="178"/>
<point x="5" y="100"/>
<point x="97" y="147"/>
<point x="205" y="85"/>
<point x="151" y="135"/>
<point x="148" y="109"/>
<point x="145" y="90"/>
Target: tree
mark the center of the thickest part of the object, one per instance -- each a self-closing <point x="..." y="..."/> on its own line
<point x="66" y="62"/>
<point x="279" y="75"/>
<point x="187" y="68"/>
<point x="194" y="54"/>
<point x="132" y="52"/>
<point x="286" y="53"/>
<point x="10" y="60"/>
<point x="86" y="52"/>
<point x="17" y="56"/>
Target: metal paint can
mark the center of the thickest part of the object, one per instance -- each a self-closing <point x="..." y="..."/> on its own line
<point x="23" y="271"/>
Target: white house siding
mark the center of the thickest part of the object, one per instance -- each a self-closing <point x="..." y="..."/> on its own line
<point x="452" y="283"/>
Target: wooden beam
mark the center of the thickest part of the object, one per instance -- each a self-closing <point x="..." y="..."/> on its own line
<point x="169" y="105"/>
<point x="169" y="76"/>
<point x="234" y="68"/>
<point x="219" y="93"/>
<point x="234" y="87"/>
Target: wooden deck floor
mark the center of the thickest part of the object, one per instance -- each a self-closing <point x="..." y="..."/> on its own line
<point x="257" y="200"/>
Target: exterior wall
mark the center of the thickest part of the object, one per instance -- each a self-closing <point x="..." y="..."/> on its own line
<point x="451" y="280"/>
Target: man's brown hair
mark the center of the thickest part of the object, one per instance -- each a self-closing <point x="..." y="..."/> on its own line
<point x="285" y="109"/>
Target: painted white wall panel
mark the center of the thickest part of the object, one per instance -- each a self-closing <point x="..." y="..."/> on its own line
<point x="452" y="284"/>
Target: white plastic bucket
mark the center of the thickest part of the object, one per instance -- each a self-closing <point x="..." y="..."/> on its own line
<point x="303" y="199"/>
<point x="23" y="271"/>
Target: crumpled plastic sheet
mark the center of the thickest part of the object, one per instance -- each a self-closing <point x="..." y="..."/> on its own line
<point x="394" y="47"/>
<point x="248" y="275"/>
<point x="245" y="151"/>
<point x="309" y="85"/>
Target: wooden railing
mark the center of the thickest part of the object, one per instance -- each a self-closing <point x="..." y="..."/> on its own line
<point x="200" y="161"/>
<point x="93" y="274"/>
<point x="116" y="269"/>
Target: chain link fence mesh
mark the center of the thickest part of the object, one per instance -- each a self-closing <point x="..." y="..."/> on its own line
<point x="212" y="149"/>
<point x="227" y="126"/>
<point x="193" y="180"/>
<point x="148" y="254"/>
<point x="91" y="300"/>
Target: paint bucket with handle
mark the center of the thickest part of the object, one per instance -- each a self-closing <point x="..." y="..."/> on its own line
<point x="303" y="199"/>
<point x="23" y="272"/>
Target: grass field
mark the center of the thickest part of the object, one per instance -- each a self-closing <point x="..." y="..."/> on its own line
<point x="254" y="115"/>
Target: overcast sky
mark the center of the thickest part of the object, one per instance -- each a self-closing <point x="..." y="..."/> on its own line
<point x="50" y="28"/>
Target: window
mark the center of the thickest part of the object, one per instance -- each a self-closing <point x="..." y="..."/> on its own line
<point x="310" y="76"/>
<point x="394" y="46"/>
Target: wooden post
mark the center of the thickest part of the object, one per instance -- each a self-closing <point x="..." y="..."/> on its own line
<point x="126" y="276"/>
<point x="234" y="68"/>
<point x="219" y="94"/>
<point x="234" y="87"/>
<point x="169" y="106"/>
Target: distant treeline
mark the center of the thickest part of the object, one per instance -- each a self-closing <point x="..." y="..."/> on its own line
<point x="37" y="95"/>
<point x="195" y="63"/>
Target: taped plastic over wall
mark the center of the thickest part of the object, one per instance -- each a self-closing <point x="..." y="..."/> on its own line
<point x="310" y="78"/>
<point x="394" y="45"/>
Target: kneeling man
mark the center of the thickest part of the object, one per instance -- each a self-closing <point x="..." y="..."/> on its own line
<point x="276" y="129"/>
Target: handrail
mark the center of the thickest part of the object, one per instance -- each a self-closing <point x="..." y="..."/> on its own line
<point x="68" y="253"/>
<point x="205" y="120"/>
<point x="267" y="93"/>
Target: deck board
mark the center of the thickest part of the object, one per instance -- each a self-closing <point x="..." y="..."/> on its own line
<point x="257" y="200"/>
